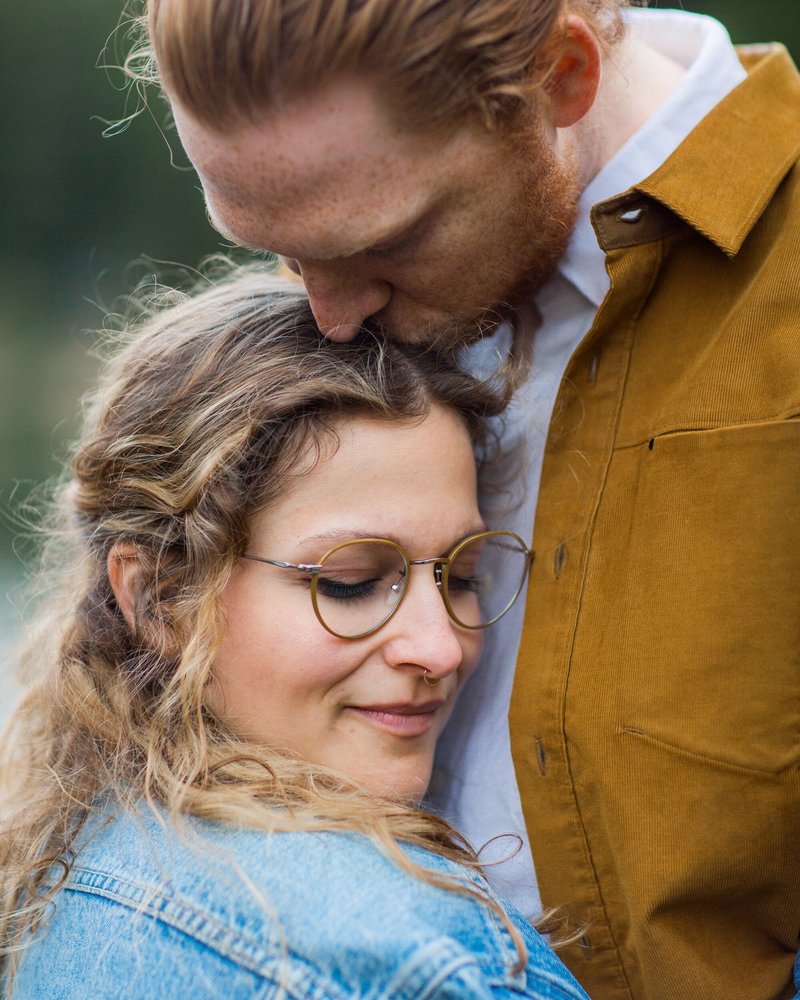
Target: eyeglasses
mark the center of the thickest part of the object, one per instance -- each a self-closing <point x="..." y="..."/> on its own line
<point x="358" y="585"/>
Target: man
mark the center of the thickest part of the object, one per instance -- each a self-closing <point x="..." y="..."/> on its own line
<point x="633" y="197"/>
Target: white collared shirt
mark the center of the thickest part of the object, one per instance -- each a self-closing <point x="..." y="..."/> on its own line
<point x="474" y="784"/>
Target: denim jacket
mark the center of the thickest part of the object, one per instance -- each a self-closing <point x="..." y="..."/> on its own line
<point x="230" y="912"/>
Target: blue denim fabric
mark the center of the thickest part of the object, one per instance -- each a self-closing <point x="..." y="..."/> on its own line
<point x="318" y="916"/>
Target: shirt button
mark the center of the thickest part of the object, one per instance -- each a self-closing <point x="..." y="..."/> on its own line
<point x="631" y="215"/>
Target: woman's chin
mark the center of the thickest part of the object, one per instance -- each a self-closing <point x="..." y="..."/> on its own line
<point x="406" y="785"/>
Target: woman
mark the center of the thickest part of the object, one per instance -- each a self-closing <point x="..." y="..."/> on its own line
<point x="279" y="579"/>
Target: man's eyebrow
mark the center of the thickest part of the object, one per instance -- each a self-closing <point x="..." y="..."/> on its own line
<point x="215" y="223"/>
<point x="415" y="222"/>
<point x="388" y="237"/>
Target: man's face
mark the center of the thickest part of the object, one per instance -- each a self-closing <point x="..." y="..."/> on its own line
<point x="432" y="237"/>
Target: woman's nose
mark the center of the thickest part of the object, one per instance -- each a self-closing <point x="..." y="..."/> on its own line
<point x="421" y="633"/>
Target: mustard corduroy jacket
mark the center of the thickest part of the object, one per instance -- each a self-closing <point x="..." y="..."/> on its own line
<point x="655" y="717"/>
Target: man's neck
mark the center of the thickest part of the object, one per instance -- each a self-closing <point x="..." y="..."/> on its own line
<point x="636" y="81"/>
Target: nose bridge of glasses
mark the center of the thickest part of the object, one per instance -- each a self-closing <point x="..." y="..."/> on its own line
<point x="438" y="564"/>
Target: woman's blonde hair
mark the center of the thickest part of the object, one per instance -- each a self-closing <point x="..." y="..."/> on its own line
<point x="197" y="424"/>
<point x="438" y="62"/>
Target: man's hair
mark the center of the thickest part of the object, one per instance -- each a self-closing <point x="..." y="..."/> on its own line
<point x="438" y="61"/>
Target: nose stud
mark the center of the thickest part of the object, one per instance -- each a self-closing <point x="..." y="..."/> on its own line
<point x="429" y="679"/>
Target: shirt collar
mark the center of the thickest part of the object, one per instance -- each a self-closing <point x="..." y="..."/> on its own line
<point x="703" y="46"/>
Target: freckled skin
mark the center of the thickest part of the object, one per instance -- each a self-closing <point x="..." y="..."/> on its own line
<point x="430" y="235"/>
<point x="281" y="679"/>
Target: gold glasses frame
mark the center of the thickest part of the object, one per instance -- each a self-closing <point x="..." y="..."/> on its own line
<point x="441" y="572"/>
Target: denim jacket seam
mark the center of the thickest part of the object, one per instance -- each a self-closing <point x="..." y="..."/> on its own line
<point x="297" y="978"/>
<point x="504" y="951"/>
<point x="417" y="979"/>
<point x="427" y="968"/>
<point x="432" y="965"/>
<point x="501" y="957"/>
<point x="177" y="912"/>
<point x="451" y="968"/>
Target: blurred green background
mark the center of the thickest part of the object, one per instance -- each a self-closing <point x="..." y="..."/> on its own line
<point x="83" y="216"/>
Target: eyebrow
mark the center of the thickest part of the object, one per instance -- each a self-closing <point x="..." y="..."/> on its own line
<point x="345" y="535"/>
<point x="416" y="221"/>
<point x="225" y="233"/>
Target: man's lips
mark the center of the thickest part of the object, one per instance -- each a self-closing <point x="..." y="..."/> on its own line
<point x="405" y="719"/>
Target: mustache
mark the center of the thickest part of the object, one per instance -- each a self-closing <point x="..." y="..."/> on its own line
<point x="449" y="336"/>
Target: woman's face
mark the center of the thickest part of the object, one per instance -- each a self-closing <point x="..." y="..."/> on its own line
<point x="359" y="706"/>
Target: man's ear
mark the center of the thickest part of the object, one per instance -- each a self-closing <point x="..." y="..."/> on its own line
<point x="124" y="568"/>
<point x="572" y="83"/>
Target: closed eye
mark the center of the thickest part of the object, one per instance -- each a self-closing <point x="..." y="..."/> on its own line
<point x="466" y="584"/>
<point x="393" y="250"/>
<point x="338" y="590"/>
<point x="403" y="243"/>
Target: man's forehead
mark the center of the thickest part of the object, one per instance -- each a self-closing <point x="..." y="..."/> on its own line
<point x="338" y="128"/>
<point x="310" y="215"/>
<point x="334" y="163"/>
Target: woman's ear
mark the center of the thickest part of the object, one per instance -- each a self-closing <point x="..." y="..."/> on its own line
<point x="572" y="83"/>
<point x="131" y="573"/>
<point x="124" y="568"/>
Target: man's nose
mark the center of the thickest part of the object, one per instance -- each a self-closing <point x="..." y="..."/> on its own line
<point x="341" y="299"/>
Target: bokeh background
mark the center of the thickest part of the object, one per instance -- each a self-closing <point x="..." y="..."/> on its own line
<point x="87" y="211"/>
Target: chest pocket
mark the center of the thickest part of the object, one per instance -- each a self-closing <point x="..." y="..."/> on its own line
<point x="709" y="607"/>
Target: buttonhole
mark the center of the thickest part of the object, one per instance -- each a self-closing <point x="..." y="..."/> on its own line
<point x="594" y="365"/>
<point x="541" y="755"/>
<point x="651" y="444"/>
<point x="560" y="560"/>
<point x="586" y="945"/>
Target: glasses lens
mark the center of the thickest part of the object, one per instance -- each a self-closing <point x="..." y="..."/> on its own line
<point x="485" y="577"/>
<point x="359" y="586"/>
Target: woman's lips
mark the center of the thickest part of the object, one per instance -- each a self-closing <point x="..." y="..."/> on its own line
<point x="401" y="720"/>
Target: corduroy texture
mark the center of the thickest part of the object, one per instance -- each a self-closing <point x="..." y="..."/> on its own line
<point x="656" y="712"/>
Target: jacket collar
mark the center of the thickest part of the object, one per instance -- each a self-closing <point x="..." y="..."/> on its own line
<point x="726" y="171"/>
